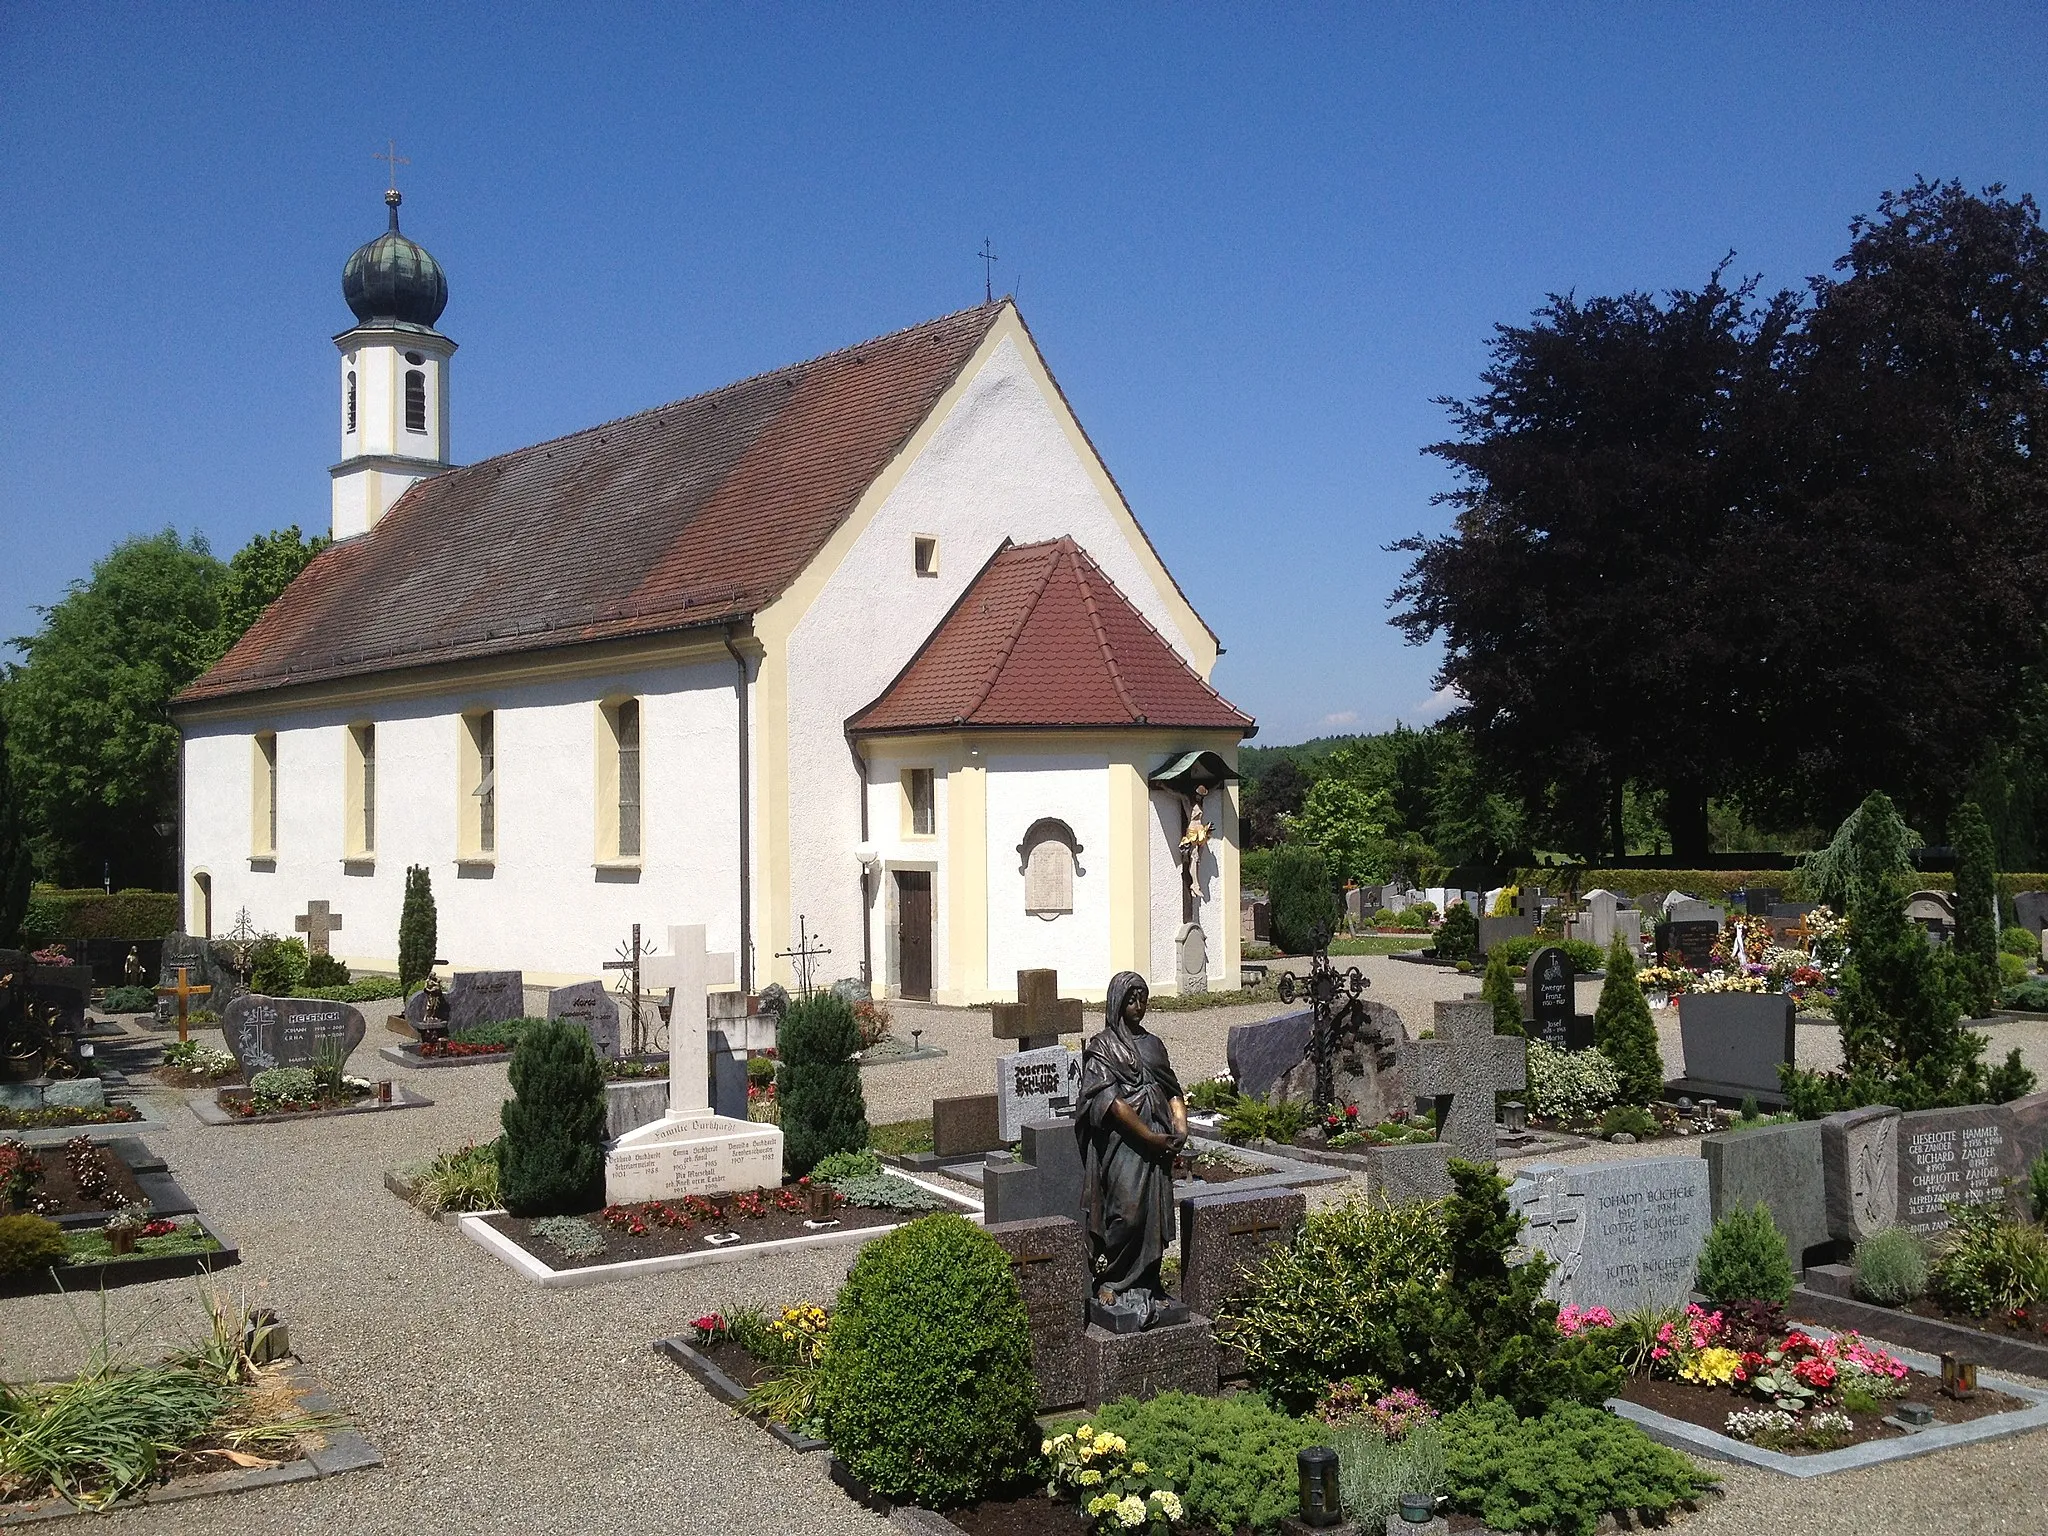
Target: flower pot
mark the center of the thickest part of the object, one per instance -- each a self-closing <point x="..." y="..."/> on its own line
<point x="122" y="1239"/>
<point x="21" y="1068"/>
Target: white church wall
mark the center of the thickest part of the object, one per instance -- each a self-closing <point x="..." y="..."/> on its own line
<point x="999" y="466"/>
<point x="1022" y="787"/>
<point x="542" y="906"/>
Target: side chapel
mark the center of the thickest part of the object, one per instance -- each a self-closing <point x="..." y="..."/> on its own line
<point x="873" y="641"/>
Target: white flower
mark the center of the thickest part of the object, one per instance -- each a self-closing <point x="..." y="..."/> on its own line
<point x="1130" y="1511"/>
<point x="1169" y="1503"/>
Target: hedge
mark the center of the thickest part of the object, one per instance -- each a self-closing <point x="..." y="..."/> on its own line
<point x="93" y="914"/>
<point x="1722" y="884"/>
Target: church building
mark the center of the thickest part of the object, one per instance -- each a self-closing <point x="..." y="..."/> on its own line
<point x="870" y="647"/>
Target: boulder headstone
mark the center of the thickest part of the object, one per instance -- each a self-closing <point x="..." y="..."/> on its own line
<point x="1223" y="1237"/>
<point x="485" y="997"/>
<point x="1949" y="1155"/>
<point x="1463" y="1067"/>
<point x="1779" y="1165"/>
<point x="2030" y="911"/>
<point x="1261" y="1054"/>
<point x="265" y="1032"/>
<point x="1365" y="1069"/>
<point x="1027" y="1083"/>
<point x="1623" y="1235"/>
<point x="202" y="967"/>
<point x="1553" y="1002"/>
<point x="966" y="1125"/>
<point x="1735" y="1042"/>
<point x="1049" y="1257"/>
<point x="2029" y="1117"/>
<point x="1860" y="1163"/>
<point x="589" y="1004"/>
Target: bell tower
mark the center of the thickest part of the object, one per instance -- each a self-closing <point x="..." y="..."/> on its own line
<point x="394" y="377"/>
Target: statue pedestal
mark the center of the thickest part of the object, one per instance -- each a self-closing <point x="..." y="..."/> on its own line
<point x="694" y="1152"/>
<point x="1174" y="1357"/>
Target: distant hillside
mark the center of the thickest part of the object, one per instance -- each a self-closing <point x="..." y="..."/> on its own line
<point x="1253" y="762"/>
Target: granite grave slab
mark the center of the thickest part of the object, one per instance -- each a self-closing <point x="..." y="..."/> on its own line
<point x="1734" y="1043"/>
<point x="1261" y="1054"/>
<point x="1049" y="1257"/>
<point x="966" y="1126"/>
<point x="1944" y="1155"/>
<point x="589" y="1004"/>
<point x="266" y="1032"/>
<point x="485" y="997"/>
<point x="1028" y="1082"/>
<point x="1224" y="1236"/>
<point x="1553" y="1002"/>
<point x="1779" y="1165"/>
<point x="1623" y="1235"/>
<point x="1043" y="1180"/>
<point x="1860" y="1162"/>
<point x="1173" y="1357"/>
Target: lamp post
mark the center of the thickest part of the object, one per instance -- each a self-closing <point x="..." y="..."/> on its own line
<point x="867" y="855"/>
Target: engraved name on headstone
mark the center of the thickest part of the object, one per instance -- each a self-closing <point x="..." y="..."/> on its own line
<point x="265" y="1032"/>
<point x="1027" y="1082"/>
<point x="1948" y="1155"/>
<point x="1624" y="1235"/>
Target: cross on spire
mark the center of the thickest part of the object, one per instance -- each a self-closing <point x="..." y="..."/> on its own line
<point x="393" y="158"/>
<point x="989" y="258"/>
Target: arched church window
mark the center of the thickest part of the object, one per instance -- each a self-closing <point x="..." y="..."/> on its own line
<point x="1049" y="859"/>
<point x="415" y="400"/>
<point x="351" y="401"/>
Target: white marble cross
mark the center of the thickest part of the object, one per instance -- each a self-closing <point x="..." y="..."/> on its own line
<point x="691" y="971"/>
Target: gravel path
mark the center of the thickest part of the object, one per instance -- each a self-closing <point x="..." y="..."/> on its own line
<point x="499" y="1407"/>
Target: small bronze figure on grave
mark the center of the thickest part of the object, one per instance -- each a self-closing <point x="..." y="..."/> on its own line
<point x="433" y="1023"/>
<point x="132" y="974"/>
<point x="1133" y="1124"/>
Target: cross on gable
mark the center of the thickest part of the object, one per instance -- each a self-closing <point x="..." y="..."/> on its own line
<point x="183" y="991"/>
<point x="1039" y="1013"/>
<point x="1467" y="1064"/>
<point x="691" y="971"/>
<point x="316" y="923"/>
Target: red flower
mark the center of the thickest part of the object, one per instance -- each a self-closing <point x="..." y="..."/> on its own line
<point x="1350" y="1111"/>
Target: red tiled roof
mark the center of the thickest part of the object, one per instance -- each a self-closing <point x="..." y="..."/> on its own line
<point x="689" y="514"/>
<point x="1043" y="638"/>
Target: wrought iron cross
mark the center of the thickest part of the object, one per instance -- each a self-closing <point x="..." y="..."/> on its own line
<point x="629" y="960"/>
<point x="1338" y="1020"/>
<point x="393" y="158"/>
<point x="989" y="258"/>
<point x="804" y="955"/>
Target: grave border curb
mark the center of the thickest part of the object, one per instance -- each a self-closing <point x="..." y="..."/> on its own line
<point x="1930" y="1334"/>
<point x="720" y="1385"/>
<point x="206" y="1109"/>
<point x="81" y="1279"/>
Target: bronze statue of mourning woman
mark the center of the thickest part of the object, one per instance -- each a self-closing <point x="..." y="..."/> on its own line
<point x="1133" y="1122"/>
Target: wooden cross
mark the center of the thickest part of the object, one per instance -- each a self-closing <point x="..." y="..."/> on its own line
<point x="1040" y="1015"/>
<point x="1802" y="933"/>
<point x="316" y="923"/>
<point x="805" y="954"/>
<point x="183" y="991"/>
<point x="1464" y="1066"/>
<point x="393" y="158"/>
<point x="691" y="971"/>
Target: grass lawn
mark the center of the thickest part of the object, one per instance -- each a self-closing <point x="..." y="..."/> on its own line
<point x="1379" y="943"/>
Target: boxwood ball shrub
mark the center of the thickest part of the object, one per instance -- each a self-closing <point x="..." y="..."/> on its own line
<point x="277" y="967"/>
<point x="925" y="1389"/>
<point x="325" y="971"/>
<point x="2015" y="940"/>
<point x="551" y="1158"/>
<point x="1744" y="1258"/>
<point x="818" y="1082"/>
<point x="29" y="1243"/>
<point x="1561" y="1471"/>
<point x="1891" y="1267"/>
<point x="1232" y="1460"/>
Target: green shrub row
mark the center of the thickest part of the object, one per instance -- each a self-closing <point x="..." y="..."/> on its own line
<point x="1722" y="884"/>
<point x="91" y="914"/>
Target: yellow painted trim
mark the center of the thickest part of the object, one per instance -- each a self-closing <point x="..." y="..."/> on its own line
<point x="966" y="877"/>
<point x="1231" y="940"/>
<point x="469" y="808"/>
<point x="602" y="659"/>
<point x="263" y="795"/>
<point x="359" y="748"/>
<point x="1130" y="866"/>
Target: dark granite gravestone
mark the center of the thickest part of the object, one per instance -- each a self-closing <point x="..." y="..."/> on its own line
<point x="485" y="997"/>
<point x="1859" y="1151"/>
<point x="1779" y="1165"/>
<point x="2030" y="910"/>
<point x="1172" y="1357"/>
<point x="964" y="1126"/>
<point x="1692" y="940"/>
<point x="1463" y="1067"/>
<point x="1622" y="1235"/>
<point x="1498" y="930"/>
<point x="203" y="967"/>
<point x="1945" y="1155"/>
<point x="1261" y="1054"/>
<point x="1553" y="1002"/>
<point x="1735" y="1042"/>
<point x="1044" y="1180"/>
<point x="728" y="1075"/>
<point x="2029" y="1130"/>
<point x="1757" y="899"/>
<point x="1049" y="1257"/>
<point x="1223" y="1238"/>
<point x="589" y="1004"/>
<point x="266" y="1032"/>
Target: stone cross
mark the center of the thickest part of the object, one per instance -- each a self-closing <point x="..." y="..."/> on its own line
<point x="691" y="971"/>
<point x="316" y="923"/>
<point x="182" y="991"/>
<point x="1467" y="1063"/>
<point x="1040" y="1015"/>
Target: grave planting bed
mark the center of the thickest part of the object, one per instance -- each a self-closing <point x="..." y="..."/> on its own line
<point x="192" y="1248"/>
<point x="728" y="1369"/>
<point x="1709" y="1407"/>
<point x="65" y="1116"/>
<point x="2013" y="1344"/>
<point x="75" y="1185"/>
<point x="220" y="1107"/>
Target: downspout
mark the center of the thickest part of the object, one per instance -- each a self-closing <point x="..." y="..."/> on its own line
<point x="867" y="949"/>
<point x="746" y="822"/>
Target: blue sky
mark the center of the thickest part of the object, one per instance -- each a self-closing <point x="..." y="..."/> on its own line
<point x="1253" y="244"/>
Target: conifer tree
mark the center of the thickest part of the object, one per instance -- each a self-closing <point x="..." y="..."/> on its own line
<point x="418" y="928"/>
<point x="818" y="1082"/>
<point x="1976" y="889"/>
<point x="1499" y="989"/>
<point x="551" y="1160"/>
<point x="14" y="849"/>
<point x="1624" y="1030"/>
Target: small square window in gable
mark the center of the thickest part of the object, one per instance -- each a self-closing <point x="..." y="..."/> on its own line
<point x="924" y="554"/>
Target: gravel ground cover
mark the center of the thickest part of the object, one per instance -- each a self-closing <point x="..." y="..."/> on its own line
<point x="500" y="1407"/>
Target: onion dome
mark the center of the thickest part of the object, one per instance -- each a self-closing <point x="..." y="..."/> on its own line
<point x="393" y="282"/>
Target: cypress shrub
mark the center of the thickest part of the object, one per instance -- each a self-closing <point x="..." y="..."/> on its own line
<point x="925" y="1389"/>
<point x="1305" y="906"/>
<point x="1745" y="1259"/>
<point x="418" y="929"/>
<point x="551" y="1160"/>
<point x="1976" y="947"/>
<point x="1624" y="1030"/>
<point x="818" y="1082"/>
<point x="1499" y="990"/>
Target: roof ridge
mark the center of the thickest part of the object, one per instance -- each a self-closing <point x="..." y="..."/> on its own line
<point x="707" y="394"/>
<point x="993" y="672"/>
<point x="1116" y="676"/>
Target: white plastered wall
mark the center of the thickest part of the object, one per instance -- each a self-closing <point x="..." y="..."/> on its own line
<point x="899" y="850"/>
<point x="1022" y="787"/>
<point x="1000" y="465"/>
<point x="543" y="907"/>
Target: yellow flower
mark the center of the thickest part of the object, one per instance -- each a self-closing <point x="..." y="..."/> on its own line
<point x="1090" y="1477"/>
<point x="1138" y="1468"/>
<point x="1713" y="1367"/>
<point x="1045" y="1447"/>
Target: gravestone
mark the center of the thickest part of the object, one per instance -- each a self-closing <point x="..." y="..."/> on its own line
<point x="266" y="1032"/>
<point x="317" y="924"/>
<point x="1044" y="1179"/>
<point x="1412" y="1173"/>
<point x="1860" y="1163"/>
<point x="1366" y="1070"/>
<point x="1223" y="1237"/>
<point x="1027" y="1083"/>
<point x="1553" y="1002"/>
<point x="1255" y="920"/>
<point x="1261" y="1054"/>
<point x="1170" y="1357"/>
<point x="202" y="967"/>
<point x="65" y="990"/>
<point x="1191" y="959"/>
<point x="590" y="1005"/>
<point x="1598" y="923"/>
<point x="1779" y="1165"/>
<point x="1356" y="899"/>
<point x="1049" y="1257"/>
<point x="1951" y="1154"/>
<point x="2029" y="1121"/>
<point x="1734" y="1043"/>
<point x="1498" y="930"/>
<point x="1933" y="910"/>
<point x="1692" y="941"/>
<point x="967" y="1125"/>
<point x="1463" y="1067"/>
<point x="2030" y="910"/>
<point x="1623" y="1235"/>
<point x="1757" y="900"/>
<point x="485" y="997"/>
<point x="1040" y="1015"/>
<point x="728" y="1074"/>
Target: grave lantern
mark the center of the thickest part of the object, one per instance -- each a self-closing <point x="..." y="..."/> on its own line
<point x="1514" y="1115"/>
<point x="1418" y="1508"/>
<point x="1958" y="1377"/>
<point x="1321" y="1504"/>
